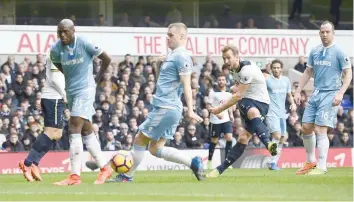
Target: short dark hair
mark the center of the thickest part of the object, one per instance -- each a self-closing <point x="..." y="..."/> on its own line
<point x="221" y="75"/>
<point x="277" y="61"/>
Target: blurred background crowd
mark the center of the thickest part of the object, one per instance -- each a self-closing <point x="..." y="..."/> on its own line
<point x="123" y="100"/>
<point x="124" y="94"/>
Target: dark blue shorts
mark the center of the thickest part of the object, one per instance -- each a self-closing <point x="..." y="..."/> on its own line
<point x="53" y="111"/>
<point x="245" y="104"/>
<point x="215" y="130"/>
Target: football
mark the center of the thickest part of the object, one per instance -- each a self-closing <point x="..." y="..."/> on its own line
<point x="122" y="161"/>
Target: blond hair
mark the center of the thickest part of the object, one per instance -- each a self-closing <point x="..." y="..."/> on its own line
<point x="228" y="47"/>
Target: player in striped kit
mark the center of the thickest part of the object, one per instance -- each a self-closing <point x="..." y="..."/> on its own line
<point x="252" y="100"/>
<point x="52" y="102"/>
<point x="220" y="123"/>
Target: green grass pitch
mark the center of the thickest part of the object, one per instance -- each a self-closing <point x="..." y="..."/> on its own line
<point x="233" y="185"/>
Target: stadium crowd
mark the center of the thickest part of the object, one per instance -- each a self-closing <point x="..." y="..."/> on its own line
<point x="123" y="100"/>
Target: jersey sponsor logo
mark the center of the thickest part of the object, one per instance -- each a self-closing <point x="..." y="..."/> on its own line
<point x="323" y="63"/>
<point x="73" y="61"/>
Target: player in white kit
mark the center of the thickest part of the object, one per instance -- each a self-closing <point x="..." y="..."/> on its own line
<point x="52" y="103"/>
<point x="220" y="123"/>
<point x="279" y="89"/>
<point x="253" y="102"/>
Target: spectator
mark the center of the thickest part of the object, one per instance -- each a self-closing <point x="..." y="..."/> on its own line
<point x="301" y="65"/>
<point x="177" y="142"/>
<point x="192" y="139"/>
<point x="251" y="24"/>
<point x="110" y="143"/>
<point x="12" y="144"/>
<point x="295" y="138"/>
<point x="128" y="144"/>
<point x="344" y="140"/>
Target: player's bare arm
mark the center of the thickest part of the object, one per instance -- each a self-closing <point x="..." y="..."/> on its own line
<point x="231" y="114"/>
<point x="241" y="89"/>
<point x="303" y="81"/>
<point x="106" y="60"/>
<point x="292" y="102"/>
<point x="187" y="90"/>
<point x="160" y="60"/>
<point x="346" y="80"/>
<point x="59" y="83"/>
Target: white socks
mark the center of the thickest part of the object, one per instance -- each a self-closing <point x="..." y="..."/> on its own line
<point x="76" y="150"/>
<point x="310" y="145"/>
<point x="138" y="153"/>
<point x="322" y="147"/>
<point x="93" y="146"/>
<point x="174" y="155"/>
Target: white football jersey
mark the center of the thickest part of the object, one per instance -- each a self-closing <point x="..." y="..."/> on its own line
<point x="217" y="98"/>
<point x="52" y="91"/>
<point x="251" y="74"/>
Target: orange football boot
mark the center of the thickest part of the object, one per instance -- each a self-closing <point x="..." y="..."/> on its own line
<point x="36" y="173"/>
<point x="26" y="171"/>
<point x="71" y="180"/>
<point x="307" y="166"/>
<point x="105" y="173"/>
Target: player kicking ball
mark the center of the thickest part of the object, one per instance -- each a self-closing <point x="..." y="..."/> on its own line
<point x="332" y="74"/>
<point x="220" y="123"/>
<point x="253" y="102"/>
<point x="174" y="78"/>
<point x="53" y="100"/>
<point x="279" y="89"/>
<point x="73" y="55"/>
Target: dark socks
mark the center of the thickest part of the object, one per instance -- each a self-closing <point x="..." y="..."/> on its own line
<point x="39" y="148"/>
<point x="261" y="130"/>
<point x="232" y="156"/>
<point x="227" y="147"/>
<point x="211" y="150"/>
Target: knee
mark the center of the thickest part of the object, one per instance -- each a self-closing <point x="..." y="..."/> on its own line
<point x="154" y="150"/>
<point x="54" y="133"/>
<point x="320" y="130"/>
<point x="253" y="113"/>
<point x="228" y="137"/>
<point x="307" y="128"/>
<point x="244" y="138"/>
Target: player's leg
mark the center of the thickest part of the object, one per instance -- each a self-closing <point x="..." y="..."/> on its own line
<point x="227" y="130"/>
<point x="75" y="151"/>
<point x="326" y="117"/>
<point x="53" y="123"/>
<point x="94" y="148"/>
<point x="234" y="154"/>
<point x="76" y="123"/>
<point x="157" y="122"/>
<point x="214" y="134"/>
<point x="282" y="138"/>
<point x="158" y="149"/>
<point x="255" y="112"/>
<point x="274" y="127"/>
<point x="309" y="139"/>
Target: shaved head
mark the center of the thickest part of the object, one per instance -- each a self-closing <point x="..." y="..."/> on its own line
<point x="65" y="31"/>
<point x="66" y="23"/>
